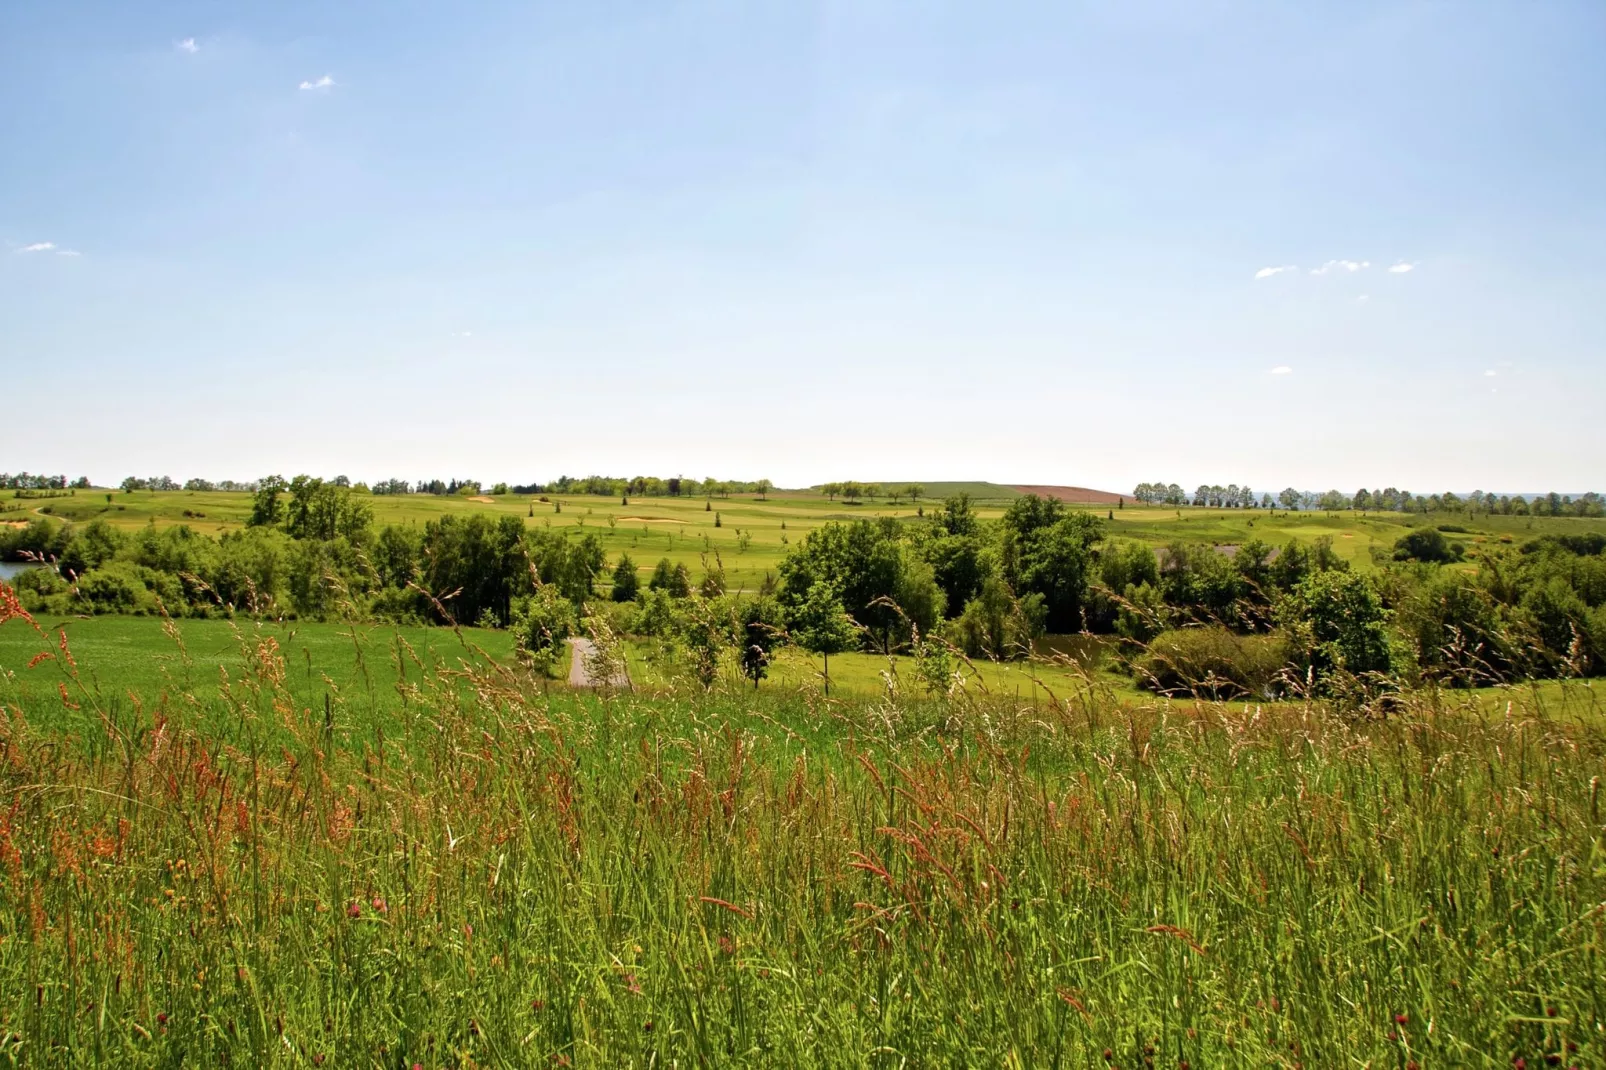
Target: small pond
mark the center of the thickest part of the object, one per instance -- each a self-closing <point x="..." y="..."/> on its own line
<point x="9" y="569"/>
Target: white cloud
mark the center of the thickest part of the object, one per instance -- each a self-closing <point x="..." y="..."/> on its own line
<point x="68" y="252"/>
<point x="1341" y="265"/>
<point x="1364" y="298"/>
<point x="38" y="247"/>
<point x="1281" y="369"/>
<point x="1266" y="273"/>
<point x="322" y="83"/>
<point x="1401" y="268"/>
<point x="1489" y="373"/>
<point x="188" y="45"/>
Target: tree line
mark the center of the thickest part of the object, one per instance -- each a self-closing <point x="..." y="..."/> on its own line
<point x="1386" y="500"/>
<point x="29" y="481"/>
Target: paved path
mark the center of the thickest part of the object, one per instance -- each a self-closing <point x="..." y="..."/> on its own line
<point x="580" y="672"/>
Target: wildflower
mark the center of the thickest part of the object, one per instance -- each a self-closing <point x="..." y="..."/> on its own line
<point x="161" y="1019"/>
<point x="468" y="930"/>
<point x="1550" y="1012"/>
<point x="1413" y="1065"/>
<point x="648" y="1026"/>
<point x="1401" y="1019"/>
<point x="379" y="904"/>
<point x="1108" y="1054"/>
<point x="354" y="911"/>
<point x="536" y="1004"/>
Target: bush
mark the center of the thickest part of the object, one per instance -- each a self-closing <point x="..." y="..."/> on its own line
<point x="1458" y="632"/>
<point x="543" y="622"/>
<point x="1214" y="662"/>
<point x="1426" y="544"/>
<point x="996" y="624"/>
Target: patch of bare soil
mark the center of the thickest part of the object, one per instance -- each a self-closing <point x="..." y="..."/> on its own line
<point x="648" y="520"/>
<point x="483" y="498"/>
<point x="1073" y="495"/>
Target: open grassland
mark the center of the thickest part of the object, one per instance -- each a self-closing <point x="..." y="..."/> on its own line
<point x="753" y="533"/>
<point x="514" y="875"/>
<point x="366" y="672"/>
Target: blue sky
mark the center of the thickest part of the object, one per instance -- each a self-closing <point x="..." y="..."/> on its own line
<point x="1010" y="241"/>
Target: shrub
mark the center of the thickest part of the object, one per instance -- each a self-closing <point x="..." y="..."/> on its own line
<point x="1458" y="632"/>
<point x="996" y="624"/>
<point x="543" y="622"/>
<point x="1211" y="661"/>
<point x="1426" y="544"/>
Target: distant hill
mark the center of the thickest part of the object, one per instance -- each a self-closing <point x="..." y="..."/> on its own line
<point x="1072" y="495"/>
<point x="978" y="491"/>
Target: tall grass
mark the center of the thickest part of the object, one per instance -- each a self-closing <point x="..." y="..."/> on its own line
<point x="244" y="878"/>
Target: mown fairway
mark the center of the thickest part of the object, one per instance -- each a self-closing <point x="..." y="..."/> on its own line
<point x="513" y="877"/>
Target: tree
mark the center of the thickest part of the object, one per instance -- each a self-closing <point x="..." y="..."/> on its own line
<point x="1047" y="551"/>
<point x="1289" y="499"/>
<point x="671" y="578"/>
<point x="821" y="626"/>
<point x="1337" y="625"/>
<point x="265" y="505"/>
<point x="625" y="581"/>
<point x="760" y="630"/>
<point x="914" y="492"/>
<point x="764" y="487"/>
<point x="543" y="622"/>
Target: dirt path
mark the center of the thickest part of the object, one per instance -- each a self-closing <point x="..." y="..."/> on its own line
<point x="580" y="671"/>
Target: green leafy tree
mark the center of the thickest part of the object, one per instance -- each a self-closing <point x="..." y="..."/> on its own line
<point x="760" y="630"/>
<point x="625" y="581"/>
<point x="543" y="621"/>
<point x="820" y="625"/>
<point x="1337" y="626"/>
<point x="266" y="509"/>
<point x="672" y="578"/>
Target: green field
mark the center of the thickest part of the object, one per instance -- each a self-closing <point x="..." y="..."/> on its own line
<point x="683" y="529"/>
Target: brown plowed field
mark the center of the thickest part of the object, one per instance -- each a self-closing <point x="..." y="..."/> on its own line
<point x="1075" y="495"/>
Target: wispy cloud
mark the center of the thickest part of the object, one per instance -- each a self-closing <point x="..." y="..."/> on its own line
<point x="38" y="247"/>
<point x="1268" y="272"/>
<point x="1341" y="265"/>
<point x="188" y="45"/>
<point x="68" y="252"/>
<point x="1363" y="298"/>
<point x="1401" y="268"/>
<point x="1281" y="369"/>
<point x="1490" y="374"/>
<point x="322" y="83"/>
